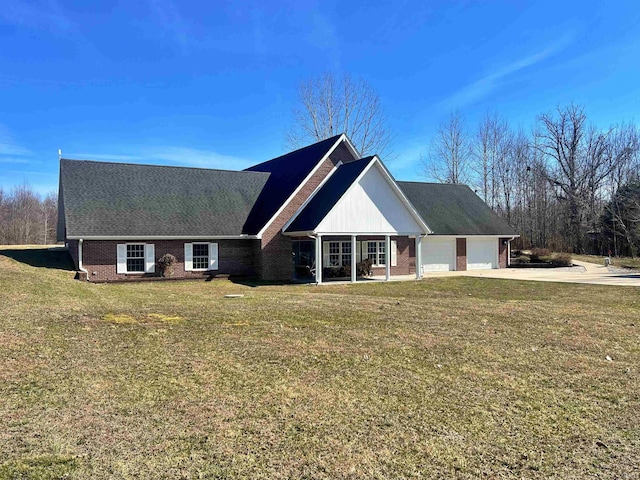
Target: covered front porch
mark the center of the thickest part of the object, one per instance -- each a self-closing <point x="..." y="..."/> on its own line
<point x="357" y="225"/>
<point x="339" y="258"/>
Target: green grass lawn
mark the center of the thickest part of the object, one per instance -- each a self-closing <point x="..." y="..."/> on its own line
<point x="451" y="377"/>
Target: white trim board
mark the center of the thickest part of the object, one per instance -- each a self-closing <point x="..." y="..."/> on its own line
<point x="164" y="237"/>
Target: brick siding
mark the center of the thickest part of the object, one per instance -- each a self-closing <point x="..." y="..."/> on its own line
<point x="276" y="262"/>
<point x="235" y="257"/>
<point x="461" y="254"/>
<point x="503" y="252"/>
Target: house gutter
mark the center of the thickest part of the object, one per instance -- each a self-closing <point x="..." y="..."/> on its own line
<point x="80" y="267"/>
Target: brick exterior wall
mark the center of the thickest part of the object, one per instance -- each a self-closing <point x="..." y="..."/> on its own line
<point x="235" y="257"/>
<point x="275" y="261"/>
<point x="461" y="254"/>
<point x="503" y="252"/>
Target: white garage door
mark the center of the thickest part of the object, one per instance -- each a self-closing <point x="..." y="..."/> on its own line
<point x="438" y="254"/>
<point x="482" y="253"/>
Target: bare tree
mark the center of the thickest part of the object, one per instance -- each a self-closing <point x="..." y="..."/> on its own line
<point x="26" y="218"/>
<point x="561" y="142"/>
<point x="449" y="152"/>
<point x="328" y="106"/>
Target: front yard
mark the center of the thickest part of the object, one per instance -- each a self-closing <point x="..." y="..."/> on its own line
<point x="450" y="377"/>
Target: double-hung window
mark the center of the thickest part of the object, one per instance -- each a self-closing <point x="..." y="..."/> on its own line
<point x="376" y="252"/>
<point x="135" y="258"/>
<point x="339" y="254"/>
<point x="201" y="256"/>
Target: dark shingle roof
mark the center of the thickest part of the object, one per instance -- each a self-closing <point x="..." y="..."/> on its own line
<point x="328" y="195"/>
<point x="116" y="199"/>
<point x="450" y="209"/>
<point x="287" y="173"/>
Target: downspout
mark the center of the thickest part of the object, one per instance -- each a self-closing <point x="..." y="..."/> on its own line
<point x="509" y="251"/>
<point x="80" y="267"/>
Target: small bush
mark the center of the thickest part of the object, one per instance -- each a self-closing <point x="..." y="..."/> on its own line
<point x="540" y="254"/>
<point x="165" y="264"/>
<point x="520" y="259"/>
<point x="562" y="259"/>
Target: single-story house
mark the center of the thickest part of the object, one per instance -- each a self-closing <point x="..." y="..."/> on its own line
<point x="322" y="205"/>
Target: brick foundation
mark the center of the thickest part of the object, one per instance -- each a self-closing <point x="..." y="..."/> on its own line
<point x="235" y="257"/>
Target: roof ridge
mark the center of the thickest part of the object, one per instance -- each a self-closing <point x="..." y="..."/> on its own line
<point x="434" y="183"/>
<point x="333" y="140"/>
<point x="179" y="167"/>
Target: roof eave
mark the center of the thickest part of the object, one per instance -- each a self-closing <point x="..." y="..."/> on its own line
<point x="162" y="237"/>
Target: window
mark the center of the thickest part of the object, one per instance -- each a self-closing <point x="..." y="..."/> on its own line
<point x="200" y="256"/>
<point x="376" y="253"/>
<point x="339" y="254"/>
<point x="135" y="258"/>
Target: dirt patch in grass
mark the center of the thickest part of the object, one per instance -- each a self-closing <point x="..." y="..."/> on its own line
<point x="454" y="377"/>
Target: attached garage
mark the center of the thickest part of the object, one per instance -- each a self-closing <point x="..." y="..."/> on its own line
<point x="438" y="254"/>
<point x="482" y="253"/>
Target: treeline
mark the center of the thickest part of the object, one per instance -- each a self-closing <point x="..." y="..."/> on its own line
<point x="564" y="184"/>
<point x="26" y="217"/>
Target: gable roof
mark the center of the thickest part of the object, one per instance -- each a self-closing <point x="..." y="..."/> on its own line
<point x="453" y="209"/>
<point x="102" y="199"/>
<point x="328" y="195"/>
<point x="287" y="174"/>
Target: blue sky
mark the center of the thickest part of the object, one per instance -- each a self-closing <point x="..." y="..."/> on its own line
<point x="212" y="83"/>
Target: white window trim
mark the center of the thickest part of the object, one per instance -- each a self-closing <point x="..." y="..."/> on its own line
<point x="386" y="254"/>
<point x="208" y="256"/>
<point x="144" y="259"/>
<point x="341" y="254"/>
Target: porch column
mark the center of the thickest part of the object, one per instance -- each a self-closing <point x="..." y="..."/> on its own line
<point x="318" y="259"/>
<point x="418" y="257"/>
<point x="387" y="257"/>
<point x="353" y="259"/>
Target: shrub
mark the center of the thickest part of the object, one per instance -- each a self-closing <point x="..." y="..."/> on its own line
<point x="540" y="254"/>
<point x="520" y="259"/>
<point x="166" y="263"/>
<point x="363" y="268"/>
<point x="562" y="259"/>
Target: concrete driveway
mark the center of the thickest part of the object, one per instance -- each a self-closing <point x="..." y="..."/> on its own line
<point x="589" y="273"/>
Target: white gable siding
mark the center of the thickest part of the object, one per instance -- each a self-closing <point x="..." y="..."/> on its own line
<point x="370" y="206"/>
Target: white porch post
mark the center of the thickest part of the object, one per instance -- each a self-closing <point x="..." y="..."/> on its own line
<point x="387" y="257"/>
<point x="353" y="259"/>
<point x="318" y="259"/>
<point x="418" y="257"/>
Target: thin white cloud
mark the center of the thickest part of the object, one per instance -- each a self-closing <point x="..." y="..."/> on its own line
<point x="487" y="84"/>
<point x="13" y="160"/>
<point x="178" y="156"/>
<point x="42" y="15"/>
<point x="168" y="17"/>
<point x="9" y="145"/>
<point x="9" y="148"/>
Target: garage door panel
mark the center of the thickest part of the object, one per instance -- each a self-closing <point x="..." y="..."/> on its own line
<point x="438" y="255"/>
<point x="482" y="253"/>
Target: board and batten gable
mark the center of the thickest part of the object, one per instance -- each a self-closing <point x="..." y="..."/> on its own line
<point x="370" y="206"/>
